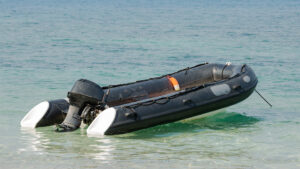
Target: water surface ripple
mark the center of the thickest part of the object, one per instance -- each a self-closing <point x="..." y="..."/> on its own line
<point x="46" y="45"/>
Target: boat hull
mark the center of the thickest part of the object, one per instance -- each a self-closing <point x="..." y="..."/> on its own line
<point x="152" y="102"/>
<point x="199" y="101"/>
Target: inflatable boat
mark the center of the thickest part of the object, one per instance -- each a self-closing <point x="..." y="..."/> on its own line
<point x="124" y="108"/>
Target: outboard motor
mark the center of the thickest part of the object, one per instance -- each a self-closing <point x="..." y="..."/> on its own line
<point x="84" y="92"/>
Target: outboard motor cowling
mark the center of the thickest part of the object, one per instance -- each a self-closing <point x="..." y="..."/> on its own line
<point x="82" y="93"/>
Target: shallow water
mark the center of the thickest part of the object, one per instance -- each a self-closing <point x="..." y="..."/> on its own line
<point x="47" y="45"/>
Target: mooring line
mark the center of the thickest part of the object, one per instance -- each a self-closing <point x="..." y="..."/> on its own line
<point x="263" y="98"/>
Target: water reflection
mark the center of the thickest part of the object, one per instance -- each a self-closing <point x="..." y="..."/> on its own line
<point x="103" y="148"/>
<point x="70" y="144"/>
<point x="34" y="141"/>
<point x="154" y="142"/>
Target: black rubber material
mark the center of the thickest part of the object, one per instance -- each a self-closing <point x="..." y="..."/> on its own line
<point x="55" y="114"/>
<point x="189" y="103"/>
<point x="204" y="88"/>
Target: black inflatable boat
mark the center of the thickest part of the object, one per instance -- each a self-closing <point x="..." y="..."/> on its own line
<point x="123" y="108"/>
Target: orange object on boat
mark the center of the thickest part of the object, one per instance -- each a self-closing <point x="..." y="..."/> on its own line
<point x="174" y="83"/>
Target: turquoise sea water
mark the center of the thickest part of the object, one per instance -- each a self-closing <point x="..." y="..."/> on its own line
<point x="45" y="46"/>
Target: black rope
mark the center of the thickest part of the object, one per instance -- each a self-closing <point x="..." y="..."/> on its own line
<point x="244" y="66"/>
<point x="180" y="93"/>
<point x="159" y="77"/>
<point x="263" y="98"/>
<point x="177" y="94"/>
<point x="167" y="98"/>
